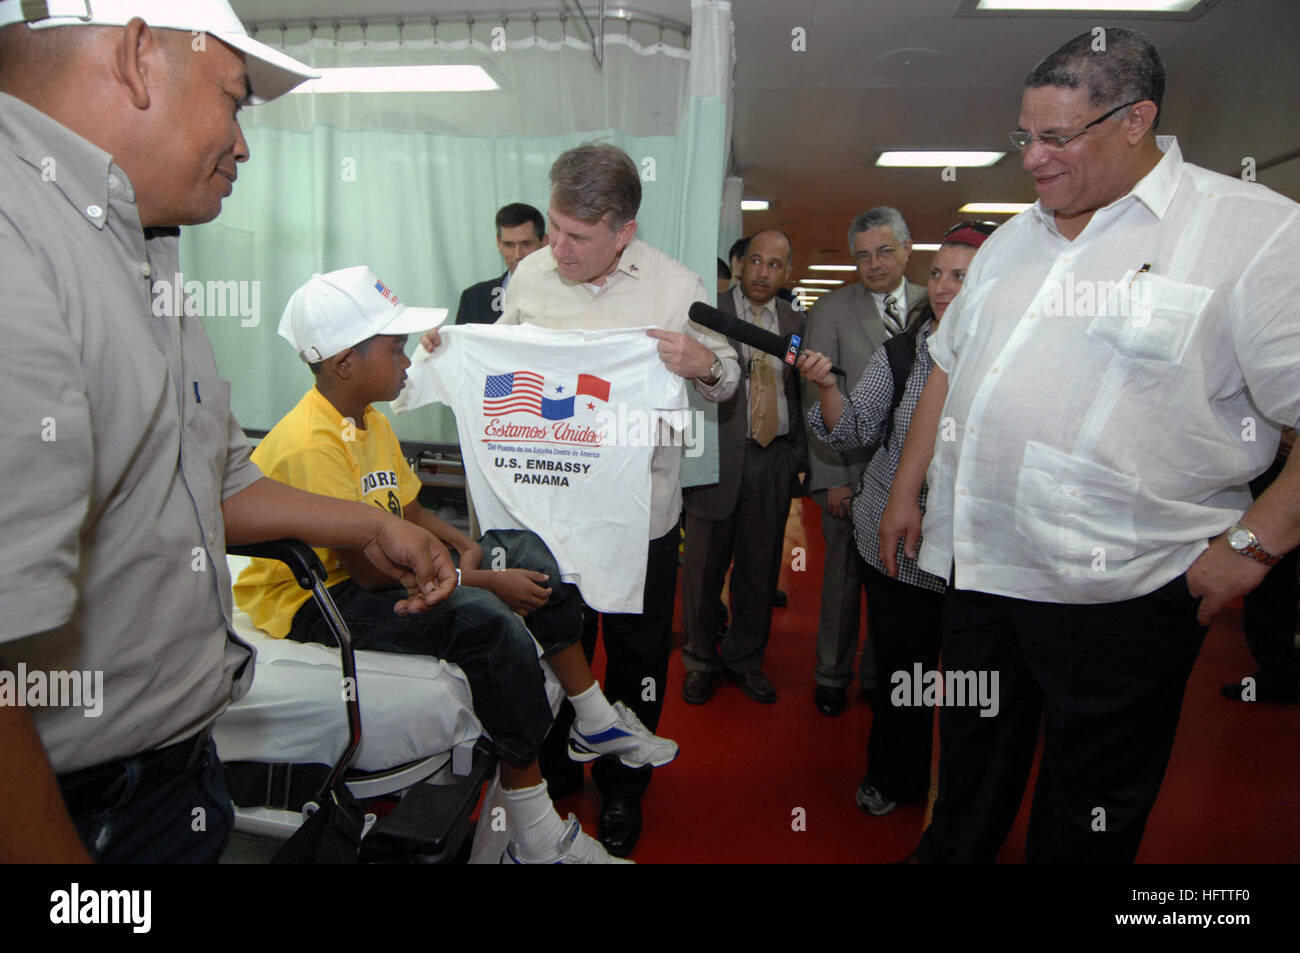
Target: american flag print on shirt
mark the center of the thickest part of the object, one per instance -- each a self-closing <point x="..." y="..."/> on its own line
<point x="526" y="392"/>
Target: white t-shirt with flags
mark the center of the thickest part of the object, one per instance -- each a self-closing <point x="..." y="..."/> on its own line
<point x="557" y="429"/>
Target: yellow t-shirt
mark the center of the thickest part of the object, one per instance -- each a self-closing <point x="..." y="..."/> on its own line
<point x="313" y="448"/>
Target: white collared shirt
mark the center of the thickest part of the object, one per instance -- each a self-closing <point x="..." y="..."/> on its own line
<point x="769" y="322"/>
<point x="1110" y="397"/>
<point x="647" y="288"/>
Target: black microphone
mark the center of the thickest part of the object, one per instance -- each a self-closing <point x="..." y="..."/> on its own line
<point x="787" y="348"/>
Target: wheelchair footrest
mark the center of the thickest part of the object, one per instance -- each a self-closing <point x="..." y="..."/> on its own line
<point x="430" y="823"/>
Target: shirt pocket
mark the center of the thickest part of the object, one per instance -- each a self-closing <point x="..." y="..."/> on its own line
<point x="1075" y="509"/>
<point x="1150" y="318"/>
<point x="207" y="415"/>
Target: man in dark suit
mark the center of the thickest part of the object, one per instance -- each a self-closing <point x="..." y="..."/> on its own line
<point x="521" y="230"/>
<point x="761" y="448"/>
<point x="847" y="326"/>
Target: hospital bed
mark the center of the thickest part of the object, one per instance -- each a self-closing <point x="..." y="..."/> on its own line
<point x="382" y="724"/>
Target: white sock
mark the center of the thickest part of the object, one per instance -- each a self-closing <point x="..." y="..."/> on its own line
<point x="534" y="825"/>
<point x="593" y="709"/>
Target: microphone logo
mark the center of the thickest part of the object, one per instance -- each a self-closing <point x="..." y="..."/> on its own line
<point x="792" y="351"/>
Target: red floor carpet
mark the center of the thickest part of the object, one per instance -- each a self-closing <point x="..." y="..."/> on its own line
<point x="775" y="783"/>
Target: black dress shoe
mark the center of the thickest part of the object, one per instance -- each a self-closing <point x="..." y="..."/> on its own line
<point x="697" y="688"/>
<point x="756" y="686"/>
<point x="780" y="599"/>
<point x="620" y="824"/>
<point x="829" y="700"/>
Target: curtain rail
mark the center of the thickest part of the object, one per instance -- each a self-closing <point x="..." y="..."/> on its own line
<point x="534" y="16"/>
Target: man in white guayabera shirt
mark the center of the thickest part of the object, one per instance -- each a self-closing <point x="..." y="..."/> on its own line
<point x="1116" y="369"/>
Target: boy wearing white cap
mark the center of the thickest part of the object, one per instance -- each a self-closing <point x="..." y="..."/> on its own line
<point x="351" y="328"/>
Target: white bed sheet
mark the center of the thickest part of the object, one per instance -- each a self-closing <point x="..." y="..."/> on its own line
<point x="412" y="706"/>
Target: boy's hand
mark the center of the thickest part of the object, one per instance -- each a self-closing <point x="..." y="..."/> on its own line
<point x="416" y="559"/>
<point x="520" y="589"/>
<point x="471" y="557"/>
<point x="431" y="340"/>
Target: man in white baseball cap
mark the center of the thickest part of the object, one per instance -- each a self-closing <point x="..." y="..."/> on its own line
<point x="127" y="475"/>
<point x="270" y="72"/>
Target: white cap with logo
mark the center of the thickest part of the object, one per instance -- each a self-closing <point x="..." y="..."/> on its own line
<point x="270" y="72"/>
<point x="334" y="311"/>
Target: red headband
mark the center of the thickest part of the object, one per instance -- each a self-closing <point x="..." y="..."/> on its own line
<point x="965" y="236"/>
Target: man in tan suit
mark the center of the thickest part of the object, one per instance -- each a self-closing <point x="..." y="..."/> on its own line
<point x="761" y="449"/>
<point x="847" y="326"/>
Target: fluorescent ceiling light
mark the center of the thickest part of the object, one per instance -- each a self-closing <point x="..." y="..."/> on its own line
<point x="821" y="281"/>
<point x="401" y="79"/>
<point x="810" y="292"/>
<point x="938" y="159"/>
<point x="832" y="267"/>
<point x="1112" y="6"/>
<point x="995" y="208"/>
<point x="925" y="246"/>
<point x="754" y="205"/>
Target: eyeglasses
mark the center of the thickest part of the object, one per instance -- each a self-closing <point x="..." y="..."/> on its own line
<point x="885" y="253"/>
<point x="1022" y="139"/>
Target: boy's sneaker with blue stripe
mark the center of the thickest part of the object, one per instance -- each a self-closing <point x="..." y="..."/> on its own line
<point x="632" y="741"/>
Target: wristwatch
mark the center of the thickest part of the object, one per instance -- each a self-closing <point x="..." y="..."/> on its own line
<point x="715" y="373"/>
<point x="1244" y="541"/>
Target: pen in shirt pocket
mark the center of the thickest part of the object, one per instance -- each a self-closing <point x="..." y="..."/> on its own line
<point x="197" y="398"/>
<point x="1145" y="269"/>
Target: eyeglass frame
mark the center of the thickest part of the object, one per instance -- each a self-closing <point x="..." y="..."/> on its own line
<point x="1062" y="141"/>
<point x="884" y="253"/>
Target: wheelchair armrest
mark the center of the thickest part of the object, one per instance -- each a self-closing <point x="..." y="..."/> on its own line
<point x="310" y="575"/>
<point x="294" y="553"/>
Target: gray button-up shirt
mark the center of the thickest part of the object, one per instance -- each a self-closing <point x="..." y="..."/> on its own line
<point x="117" y="447"/>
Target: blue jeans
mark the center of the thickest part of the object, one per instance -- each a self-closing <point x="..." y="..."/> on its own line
<point x="185" y="820"/>
<point x="476" y="631"/>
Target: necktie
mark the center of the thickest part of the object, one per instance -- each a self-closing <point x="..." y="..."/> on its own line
<point x="892" y="319"/>
<point x="763" y="413"/>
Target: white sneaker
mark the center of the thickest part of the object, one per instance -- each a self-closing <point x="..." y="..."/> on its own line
<point x="575" y="847"/>
<point x="632" y="741"/>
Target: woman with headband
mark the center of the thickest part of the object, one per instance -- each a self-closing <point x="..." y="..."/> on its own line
<point x="904" y="613"/>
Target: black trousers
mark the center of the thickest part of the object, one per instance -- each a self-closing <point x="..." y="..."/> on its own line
<point x="750" y="539"/>
<point x="1107" y="683"/>
<point x="906" y="627"/>
<point x="636" y="671"/>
